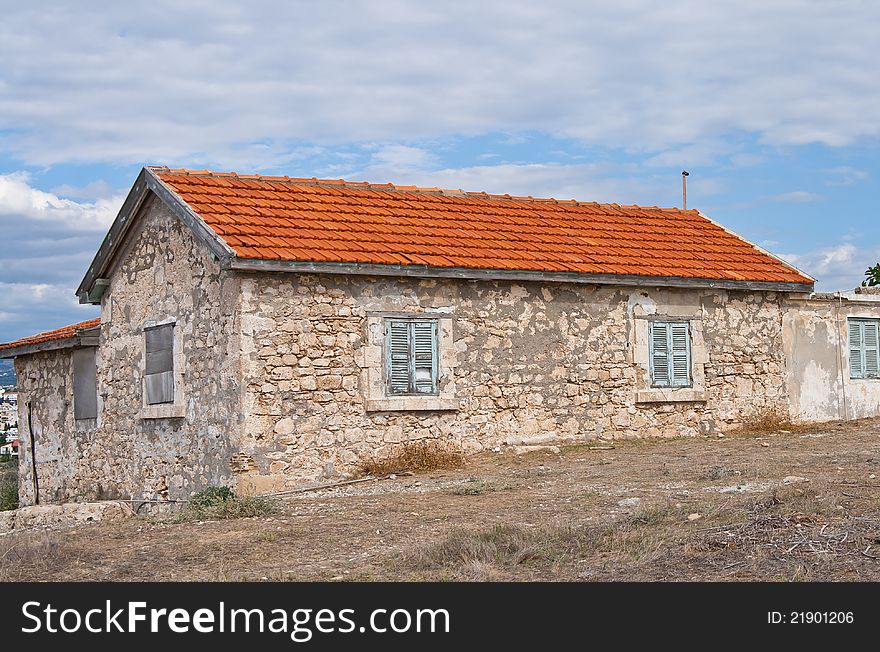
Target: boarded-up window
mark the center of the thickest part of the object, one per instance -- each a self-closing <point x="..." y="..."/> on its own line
<point x="85" y="384"/>
<point x="159" y="371"/>
<point x="864" y="348"/>
<point x="669" y="346"/>
<point x="411" y="356"/>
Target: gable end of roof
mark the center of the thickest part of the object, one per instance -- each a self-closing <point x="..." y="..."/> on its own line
<point x="147" y="182"/>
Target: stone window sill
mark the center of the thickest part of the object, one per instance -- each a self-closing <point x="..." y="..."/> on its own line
<point x="163" y="412"/>
<point x="412" y="404"/>
<point x="670" y="395"/>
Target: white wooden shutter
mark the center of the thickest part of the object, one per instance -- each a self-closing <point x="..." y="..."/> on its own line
<point x="660" y="363"/>
<point x="681" y="354"/>
<point x="398" y="357"/>
<point x="871" y="340"/>
<point x="159" y="369"/>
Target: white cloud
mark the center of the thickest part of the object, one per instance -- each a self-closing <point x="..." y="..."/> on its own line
<point x="237" y="85"/>
<point x="840" y="267"/>
<point x="845" y="175"/>
<point x="48" y="242"/>
<point x="19" y="199"/>
<point x="796" y="197"/>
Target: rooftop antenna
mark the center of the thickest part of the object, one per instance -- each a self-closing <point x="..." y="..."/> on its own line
<point x="684" y="189"/>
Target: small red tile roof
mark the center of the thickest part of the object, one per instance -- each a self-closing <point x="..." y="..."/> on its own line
<point x="48" y="336"/>
<point x="290" y="219"/>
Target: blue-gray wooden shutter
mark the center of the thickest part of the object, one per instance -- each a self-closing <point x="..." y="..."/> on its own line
<point x="398" y="357"/>
<point x="85" y="384"/>
<point x="159" y="369"/>
<point x="411" y="364"/>
<point x="871" y="341"/>
<point x="659" y="344"/>
<point x="424" y="359"/>
<point x="856" y="367"/>
<point x="680" y="345"/>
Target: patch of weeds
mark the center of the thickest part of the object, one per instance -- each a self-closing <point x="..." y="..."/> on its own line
<point x="477" y="488"/>
<point x="8" y="488"/>
<point x="416" y="457"/>
<point x="767" y="421"/>
<point x="218" y="503"/>
<point x="718" y="472"/>
<point x="651" y="516"/>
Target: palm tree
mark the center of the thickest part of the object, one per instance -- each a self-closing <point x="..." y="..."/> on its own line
<point x="872" y="275"/>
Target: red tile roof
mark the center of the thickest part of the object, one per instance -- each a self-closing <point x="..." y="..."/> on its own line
<point x="48" y="336"/>
<point x="282" y="218"/>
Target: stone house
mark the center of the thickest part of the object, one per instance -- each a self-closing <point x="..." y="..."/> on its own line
<point x="263" y="332"/>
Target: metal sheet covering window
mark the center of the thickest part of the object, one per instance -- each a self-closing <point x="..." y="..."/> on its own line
<point x="85" y="383"/>
<point x="159" y="370"/>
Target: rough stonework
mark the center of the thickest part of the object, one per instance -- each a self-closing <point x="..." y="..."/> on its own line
<point x="163" y="274"/>
<point x="534" y="363"/>
<point x="62" y="516"/>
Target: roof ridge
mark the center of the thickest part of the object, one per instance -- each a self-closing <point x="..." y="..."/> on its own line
<point x="426" y="190"/>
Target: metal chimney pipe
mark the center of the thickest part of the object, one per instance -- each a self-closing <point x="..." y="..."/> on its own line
<point x="684" y="189"/>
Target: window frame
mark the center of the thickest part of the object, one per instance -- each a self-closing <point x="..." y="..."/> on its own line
<point x="862" y="348"/>
<point x="670" y="354"/>
<point x="412" y="353"/>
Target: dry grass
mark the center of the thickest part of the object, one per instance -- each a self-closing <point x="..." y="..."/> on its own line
<point x="34" y="552"/>
<point x="558" y="517"/>
<point x="768" y="420"/>
<point x="416" y="457"/>
<point x="500" y="551"/>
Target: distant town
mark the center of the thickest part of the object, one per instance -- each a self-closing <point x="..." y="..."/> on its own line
<point x="9" y="440"/>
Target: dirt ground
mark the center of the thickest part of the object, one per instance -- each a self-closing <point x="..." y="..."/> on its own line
<point x="788" y="505"/>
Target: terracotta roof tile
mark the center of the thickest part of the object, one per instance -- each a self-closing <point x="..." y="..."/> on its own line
<point x="57" y="334"/>
<point x="282" y="218"/>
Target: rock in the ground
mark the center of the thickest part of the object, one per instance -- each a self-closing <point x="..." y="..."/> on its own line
<point x="629" y="502"/>
<point x="793" y="479"/>
<point x="695" y="516"/>
<point x="522" y="450"/>
<point x="6" y="521"/>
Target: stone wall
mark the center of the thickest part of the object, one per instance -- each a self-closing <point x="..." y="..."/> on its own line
<point x="534" y="362"/>
<point x="62" y="444"/>
<point x="163" y="273"/>
<point x="817" y="355"/>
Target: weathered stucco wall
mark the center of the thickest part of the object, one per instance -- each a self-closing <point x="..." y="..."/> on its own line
<point x="817" y="355"/>
<point x="533" y="362"/>
<point x="163" y="274"/>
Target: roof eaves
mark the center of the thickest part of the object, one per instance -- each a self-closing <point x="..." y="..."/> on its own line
<point x="761" y="249"/>
<point x="426" y="271"/>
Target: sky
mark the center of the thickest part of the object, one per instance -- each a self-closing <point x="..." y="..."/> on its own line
<point x="772" y="106"/>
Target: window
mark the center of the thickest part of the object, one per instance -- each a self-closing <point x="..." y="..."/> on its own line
<point x="411" y="356"/>
<point x="159" y="369"/>
<point x="670" y="354"/>
<point x="85" y="384"/>
<point x="864" y="344"/>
